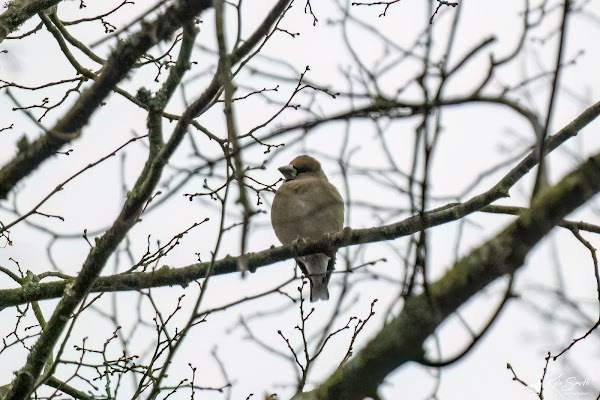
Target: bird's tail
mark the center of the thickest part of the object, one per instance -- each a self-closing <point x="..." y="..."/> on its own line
<point x="315" y="267"/>
<point x="318" y="288"/>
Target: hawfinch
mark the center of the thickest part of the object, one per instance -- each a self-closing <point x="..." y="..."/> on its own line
<point x="308" y="207"/>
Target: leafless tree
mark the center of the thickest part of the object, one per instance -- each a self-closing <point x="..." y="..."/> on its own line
<point x="139" y="152"/>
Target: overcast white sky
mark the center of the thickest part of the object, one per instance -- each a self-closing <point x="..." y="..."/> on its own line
<point x="475" y="138"/>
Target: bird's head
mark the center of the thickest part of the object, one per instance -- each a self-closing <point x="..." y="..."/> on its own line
<point x="303" y="167"/>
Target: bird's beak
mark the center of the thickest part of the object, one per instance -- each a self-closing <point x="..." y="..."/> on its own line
<point x="288" y="172"/>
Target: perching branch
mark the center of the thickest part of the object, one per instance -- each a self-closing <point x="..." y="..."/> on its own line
<point x="166" y="276"/>
<point x="401" y="340"/>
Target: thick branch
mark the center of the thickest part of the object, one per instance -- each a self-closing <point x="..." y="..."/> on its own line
<point x="402" y="339"/>
<point x="116" y="68"/>
<point x="19" y="11"/>
<point x="28" y="377"/>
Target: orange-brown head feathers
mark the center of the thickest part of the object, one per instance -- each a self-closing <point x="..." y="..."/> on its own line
<point x="303" y="167"/>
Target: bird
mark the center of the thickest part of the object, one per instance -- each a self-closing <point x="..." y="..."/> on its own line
<point x="308" y="207"/>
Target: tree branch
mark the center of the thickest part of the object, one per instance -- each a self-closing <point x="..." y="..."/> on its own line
<point x="402" y="339"/>
<point x="19" y="11"/>
<point x="116" y="68"/>
<point x="166" y="276"/>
